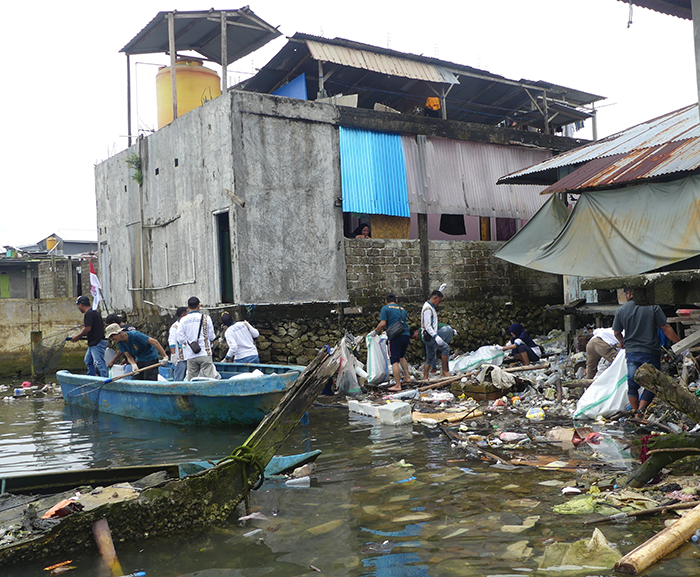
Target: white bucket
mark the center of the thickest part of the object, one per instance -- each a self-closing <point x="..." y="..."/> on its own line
<point x="116" y="371"/>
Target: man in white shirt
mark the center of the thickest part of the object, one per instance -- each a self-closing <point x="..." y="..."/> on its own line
<point x="196" y="333"/>
<point x="239" y="337"/>
<point x="177" y="357"/>
<point x="432" y="340"/>
<point x="603" y="344"/>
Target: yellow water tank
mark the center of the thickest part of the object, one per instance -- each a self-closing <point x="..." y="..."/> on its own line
<point x="51" y="242"/>
<point x="195" y="86"/>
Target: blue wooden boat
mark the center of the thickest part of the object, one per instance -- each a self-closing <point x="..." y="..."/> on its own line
<point x="241" y="401"/>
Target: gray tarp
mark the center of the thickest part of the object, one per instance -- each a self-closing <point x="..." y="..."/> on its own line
<point x="609" y="233"/>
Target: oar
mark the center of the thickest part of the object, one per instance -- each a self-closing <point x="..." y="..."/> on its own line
<point x="97" y="385"/>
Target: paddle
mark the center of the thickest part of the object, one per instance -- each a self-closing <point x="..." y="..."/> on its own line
<point x="136" y="372"/>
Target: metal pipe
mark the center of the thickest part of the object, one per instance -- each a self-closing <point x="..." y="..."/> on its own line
<point x="224" y="53"/>
<point x="128" y="100"/>
<point x="173" y="61"/>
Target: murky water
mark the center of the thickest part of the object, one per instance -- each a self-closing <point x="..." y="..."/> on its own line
<point x="364" y="514"/>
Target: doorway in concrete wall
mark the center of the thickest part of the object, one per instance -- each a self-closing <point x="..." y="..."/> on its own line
<point x="225" y="269"/>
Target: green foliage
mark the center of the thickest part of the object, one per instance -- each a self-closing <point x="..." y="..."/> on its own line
<point x="134" y="162"/>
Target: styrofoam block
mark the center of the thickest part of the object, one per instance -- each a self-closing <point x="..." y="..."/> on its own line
<point x="363" y="408"/>
<point x="397" y="413"/>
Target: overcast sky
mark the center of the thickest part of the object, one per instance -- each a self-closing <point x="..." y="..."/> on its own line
<point x="64" y="95"/>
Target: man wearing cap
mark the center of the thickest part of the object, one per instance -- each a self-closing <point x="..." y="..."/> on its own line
<point x="93" y="330"/>
<point x="196" y="333"/>
<point x="140" y="350"/>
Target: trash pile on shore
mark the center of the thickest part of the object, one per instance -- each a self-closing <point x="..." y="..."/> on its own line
<point x="547" y="416"/>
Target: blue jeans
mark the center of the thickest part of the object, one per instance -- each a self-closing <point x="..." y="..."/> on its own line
<point x="251" y="359"/>
<point x="431" y="350"/>
<point x="95" y="360"/>
<point x="634" y="361"/>
<point x="179" y="371"/>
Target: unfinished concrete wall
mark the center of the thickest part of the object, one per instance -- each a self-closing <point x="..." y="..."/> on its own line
<point x="472" y="273"/>
<point x="161" y="240"/>
<point x="287" y="169"/>
<point x="58" y="317"/>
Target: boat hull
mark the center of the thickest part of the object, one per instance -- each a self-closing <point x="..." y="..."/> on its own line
<point x="243" y="401"/>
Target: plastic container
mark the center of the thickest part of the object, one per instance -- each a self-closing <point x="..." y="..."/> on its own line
<point x="301" y="482"/>
<point x="195" y="85"/>
<point x="535" y="413"/>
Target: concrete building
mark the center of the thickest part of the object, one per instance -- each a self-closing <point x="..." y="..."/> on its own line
<point x="245" y="199"/>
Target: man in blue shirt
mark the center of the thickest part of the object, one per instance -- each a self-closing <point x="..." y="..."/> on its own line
<point x="140" y="350"/>
<point x="393" y="318"/>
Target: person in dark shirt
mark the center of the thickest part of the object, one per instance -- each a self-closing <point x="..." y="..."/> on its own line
<point x="94" y="331"/>
<point x="641" y="342"/>
<point x="140" y="350"/>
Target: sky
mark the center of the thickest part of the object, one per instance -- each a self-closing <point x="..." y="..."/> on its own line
<point x="64" y="97"/>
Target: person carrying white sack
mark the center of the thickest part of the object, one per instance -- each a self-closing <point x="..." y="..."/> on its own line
<point x="603" y="345"/>
<point x="429" y="333"/>
<point x="239" y="337"/>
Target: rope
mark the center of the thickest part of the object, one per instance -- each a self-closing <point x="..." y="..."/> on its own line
<point x="246" y="456"/>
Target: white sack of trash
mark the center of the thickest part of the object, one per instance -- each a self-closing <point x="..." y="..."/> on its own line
<point x="486" y="355"/>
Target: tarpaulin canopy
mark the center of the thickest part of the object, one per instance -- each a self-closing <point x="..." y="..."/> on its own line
<point x="611" y="233"/>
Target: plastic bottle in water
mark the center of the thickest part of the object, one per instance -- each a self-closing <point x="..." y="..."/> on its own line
<point x="136" y="574"/>
<point x="696" y="537"/>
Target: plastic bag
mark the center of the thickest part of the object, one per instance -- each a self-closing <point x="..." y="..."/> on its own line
<point x="377" y="359"/>
<point x="607" y="394"/>
<point x="487" y="355"/>
<point x="346" y="383"/>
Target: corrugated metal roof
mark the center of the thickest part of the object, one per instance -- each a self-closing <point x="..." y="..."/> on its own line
<point x="639" y="164"/>
<point x="372" y="173"/>
<point x="382" y="63"/>
<point x="679" y="8"/>
<point x="379" y="75"/>
<point x="201" y="31"/>
<point x="664" y="145"/>
<point x="459" y="177"/>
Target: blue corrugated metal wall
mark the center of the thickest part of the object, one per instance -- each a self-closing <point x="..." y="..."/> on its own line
<point x="373" y="173"/>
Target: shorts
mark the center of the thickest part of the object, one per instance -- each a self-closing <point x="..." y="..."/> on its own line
<point x="398" y="347"/>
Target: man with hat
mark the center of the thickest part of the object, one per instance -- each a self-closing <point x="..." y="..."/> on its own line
<point x="140" y="350"/>
<point x="93" y="330"/>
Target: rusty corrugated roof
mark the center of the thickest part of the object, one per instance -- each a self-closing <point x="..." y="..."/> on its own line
<point x="664" y="146"/>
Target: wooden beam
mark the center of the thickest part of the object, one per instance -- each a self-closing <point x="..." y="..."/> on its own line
<point x="690" y="341"/>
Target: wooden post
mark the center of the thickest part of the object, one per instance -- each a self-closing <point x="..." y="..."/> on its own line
<point x="321" y="89"/>
<point x="424" y="254"/>
<point x="224" y="53"/>
<point x="546" y="112"/>
<point x="173" y="61"/>
<point x="671" y="391"/>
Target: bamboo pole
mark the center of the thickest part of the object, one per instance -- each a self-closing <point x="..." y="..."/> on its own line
<point x="526" y="368"/>
<point x="643" y="512"/>
<point x="660" y="545"/>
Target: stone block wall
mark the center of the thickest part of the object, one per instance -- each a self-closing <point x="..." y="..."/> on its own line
<point x="378" y="266"/>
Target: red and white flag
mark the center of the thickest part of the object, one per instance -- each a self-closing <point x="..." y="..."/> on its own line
<point x="95" y="287"/>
